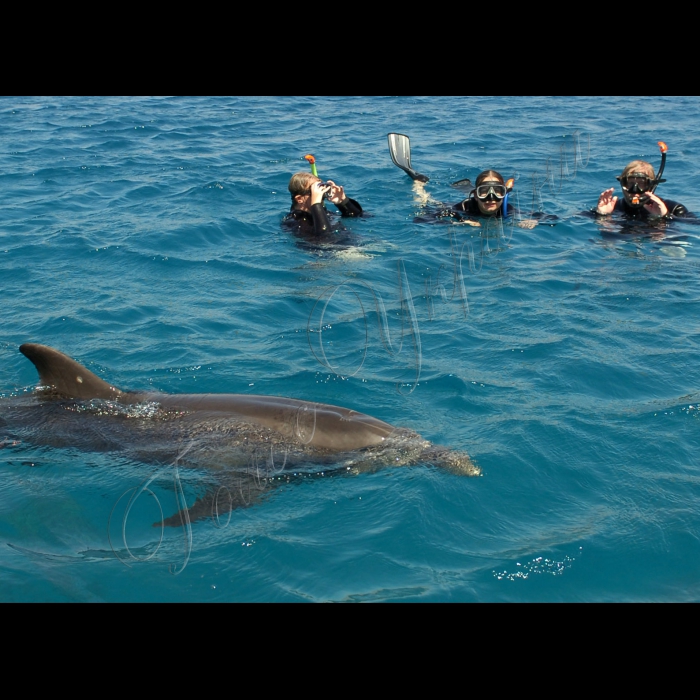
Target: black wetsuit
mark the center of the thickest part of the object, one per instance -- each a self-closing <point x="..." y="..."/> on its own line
<point x="316" y="223"/>
<point x="466" y="209"/>
<point x="469" y="209"/>
<point x="675" y="210"/>
<point x="637" y="220"/>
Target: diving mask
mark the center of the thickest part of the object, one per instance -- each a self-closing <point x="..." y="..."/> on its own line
<point x="491" y="190"/>
<point x="636" y="183"/>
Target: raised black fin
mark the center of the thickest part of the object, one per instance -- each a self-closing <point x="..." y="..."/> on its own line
<point x="66" y="376"/>
<point x="400" y="151"/>
<point x="465" y="184"/>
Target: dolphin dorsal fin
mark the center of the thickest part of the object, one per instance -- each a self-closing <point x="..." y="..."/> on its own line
<point x="66" y="376"/>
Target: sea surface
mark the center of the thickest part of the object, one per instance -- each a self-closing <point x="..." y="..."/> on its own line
<point x="142" y="237"/>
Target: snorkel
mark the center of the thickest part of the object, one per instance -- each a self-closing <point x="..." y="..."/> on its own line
<point x="663" y="148"/>
<point x="509" y="186"/>
<point x="312" y="163"/>
<point x="314" y="172"/>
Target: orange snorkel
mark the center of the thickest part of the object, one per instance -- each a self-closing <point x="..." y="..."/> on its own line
<point x="663" y="148"/>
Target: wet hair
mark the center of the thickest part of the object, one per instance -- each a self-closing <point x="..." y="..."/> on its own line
<point x="638" y="166"/>
<point x="300" y="183"/>
<point x="489" y="176"/>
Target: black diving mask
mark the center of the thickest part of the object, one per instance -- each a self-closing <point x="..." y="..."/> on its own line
<point x="491" y="191"/>
<point x="636" y="184"/>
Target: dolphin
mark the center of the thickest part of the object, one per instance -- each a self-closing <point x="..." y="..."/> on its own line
<point x="249" y="442"/>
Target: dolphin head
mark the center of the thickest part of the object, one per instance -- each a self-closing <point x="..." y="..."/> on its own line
<point x="451" y="460"/>
<point x="406" y="448"/>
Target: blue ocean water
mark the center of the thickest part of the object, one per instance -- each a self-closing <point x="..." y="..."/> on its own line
<point x="142" y="237"/>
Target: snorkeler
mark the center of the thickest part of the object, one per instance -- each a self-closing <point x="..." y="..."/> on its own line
<point x="308" y="216"/>
<point x="638" y="182"/>
<point x="488" y="198"/>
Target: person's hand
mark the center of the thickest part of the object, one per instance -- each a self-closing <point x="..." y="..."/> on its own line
<point x="336" y="194"/>
<point x="654" y="205"/>
<point x="318" y="189"/>
<point x="467" y="222"/>
<point x="527" y="223"/>
<point x="606" y="203"/>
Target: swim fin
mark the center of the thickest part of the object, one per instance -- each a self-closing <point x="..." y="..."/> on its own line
<point x="465" y="184"/>
<point x="400" y="149"/>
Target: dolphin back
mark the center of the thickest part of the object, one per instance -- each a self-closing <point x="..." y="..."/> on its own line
<point x="315" y="424"/>
<point x="66" y="376"/>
